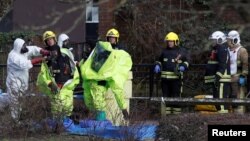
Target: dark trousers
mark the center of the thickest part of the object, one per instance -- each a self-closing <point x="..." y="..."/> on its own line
<point x="212" y="89"/>
<point x="223" y="91"/>
<point x="171" y="88"/>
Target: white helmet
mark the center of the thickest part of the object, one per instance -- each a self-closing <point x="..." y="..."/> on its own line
<point x="234" y="36"/>
<point x="219" y="36"/>
<point x="61" y="39"/>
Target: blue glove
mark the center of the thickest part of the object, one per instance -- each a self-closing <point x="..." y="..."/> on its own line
<point x="182" y="68"/>
<point x="242" y="81"/>
<point x="157" y="69"/>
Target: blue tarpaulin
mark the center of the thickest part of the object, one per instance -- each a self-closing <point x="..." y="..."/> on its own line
<point x="105" y="129"/>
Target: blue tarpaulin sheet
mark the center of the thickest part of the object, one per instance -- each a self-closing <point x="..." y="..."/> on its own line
<point x="105" y="129"/>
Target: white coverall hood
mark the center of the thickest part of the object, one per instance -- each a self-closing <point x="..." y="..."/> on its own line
<point x="61" y="38"/>
<point x="18" y="43"/>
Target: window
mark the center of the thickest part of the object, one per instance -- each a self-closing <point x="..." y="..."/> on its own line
<point x="92" y="12"/>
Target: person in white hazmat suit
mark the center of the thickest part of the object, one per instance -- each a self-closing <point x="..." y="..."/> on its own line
<point x="18" y="64"/>
<point x="63" y="43"/>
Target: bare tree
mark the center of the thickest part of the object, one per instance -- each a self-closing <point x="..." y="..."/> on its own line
<point x="5" y="5"/>
<point x="144" y="24"/>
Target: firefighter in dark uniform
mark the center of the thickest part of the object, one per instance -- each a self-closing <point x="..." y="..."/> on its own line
<point x="59" y="64"/>
<point x="62" y="80"/>
<point x="172" y="63"/>
<point x="218" y="69"/>
<point x="210" y="71"/>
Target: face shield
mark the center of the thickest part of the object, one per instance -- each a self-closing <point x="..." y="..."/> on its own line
<point x="99" y="57"/>
<point x="24" y="49"/>
<point x="66" y="44"/>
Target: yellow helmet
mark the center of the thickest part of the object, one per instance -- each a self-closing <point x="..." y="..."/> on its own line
<point x="49" y="34"/>
<point x="171" y="36"/>
<point x="113" y="33"/>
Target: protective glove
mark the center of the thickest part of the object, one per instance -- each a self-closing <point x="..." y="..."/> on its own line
<point x="37" y="60"/>
<point x="181" y="68"/>
<point x="125" y="114"/>
<point x="47" y="58"/>
<point x="157" y="69"/>
<point x="44" y="52"/>
<point x="53" y="87"/>
<point x="242" y="81"/>
<point x="217" y="78"/>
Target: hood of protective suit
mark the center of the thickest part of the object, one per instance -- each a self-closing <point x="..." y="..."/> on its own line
<point x="100" y="55"/>
<point x="18" y="44"/>
<point x="61" y="39"/>
<point x="115" y="67"/>
<point x="105" y="45"/>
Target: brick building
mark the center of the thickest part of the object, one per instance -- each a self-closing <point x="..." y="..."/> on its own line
<point x="41" y="15"/>
<point x="90" y="19"/>
<point x="61" y="16"/>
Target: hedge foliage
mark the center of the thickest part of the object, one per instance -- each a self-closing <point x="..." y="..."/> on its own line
<point x="9" y="37"/>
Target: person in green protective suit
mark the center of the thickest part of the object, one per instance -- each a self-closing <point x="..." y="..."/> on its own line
<point x="105" y="68"/>
<point x="58" y="78"/>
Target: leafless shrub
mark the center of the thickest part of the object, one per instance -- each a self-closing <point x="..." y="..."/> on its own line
<point x="29" y="109"/>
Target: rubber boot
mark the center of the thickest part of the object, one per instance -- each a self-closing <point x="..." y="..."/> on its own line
<point x="100" y="116"/>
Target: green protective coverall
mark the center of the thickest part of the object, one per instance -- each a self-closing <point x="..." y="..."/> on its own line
<point x="113" y="71"/>
<point x="62" y="102"/>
